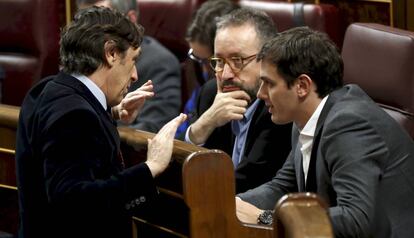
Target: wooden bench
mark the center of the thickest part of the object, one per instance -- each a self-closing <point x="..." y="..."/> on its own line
<point x="8" y="190"/>
<point x="197" y="198"/>
<point x="196" y="193"/>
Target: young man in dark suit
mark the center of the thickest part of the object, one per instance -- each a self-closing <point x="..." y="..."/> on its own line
<point x="228" y="115"/>
<point x="345" y="147"/>
<point x="70" y="171"/>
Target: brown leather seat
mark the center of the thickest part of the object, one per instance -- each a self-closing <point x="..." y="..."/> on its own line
<point x="29" y="44"/>
<point x="380" y="59"/>
<point x="167" y="21"/>
<point x="320" y="17"/>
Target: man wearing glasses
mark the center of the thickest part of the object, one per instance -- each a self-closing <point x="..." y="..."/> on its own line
<point x="200" y="37"/>
<point x="228" y="114"/>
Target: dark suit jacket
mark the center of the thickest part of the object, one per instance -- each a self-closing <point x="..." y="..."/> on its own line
<point x="363" y="168"/>
<point x="70" y="178"/>
<point x="158" y="64"/>
<point x="267" y="145"/>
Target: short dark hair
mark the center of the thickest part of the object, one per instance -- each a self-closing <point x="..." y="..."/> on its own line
<point x="304" y="51"/>
<point x="83" y="40"/>
<point x="263" y="24"/>
<point x="203" y="25"/>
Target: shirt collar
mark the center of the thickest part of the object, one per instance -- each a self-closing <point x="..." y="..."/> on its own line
<point x="239" y="125"/>
<point x="95" y="90"/>
<point x="250" y="111"/>
<point x="310" y="127"/>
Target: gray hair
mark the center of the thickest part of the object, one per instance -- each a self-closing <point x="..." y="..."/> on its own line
<point x="124" y="6"/>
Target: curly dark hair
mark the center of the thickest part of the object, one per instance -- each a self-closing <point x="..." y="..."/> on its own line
<point x="82" y="41"/>
<point x="304" y="51"/>
<point x="202" y="28"/>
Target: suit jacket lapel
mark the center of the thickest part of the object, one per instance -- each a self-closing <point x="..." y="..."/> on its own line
<point x="83" y="91"/>
<point x="311" y="181"/>
<point x="299" y="169"/>
<point x="258" y="117"/>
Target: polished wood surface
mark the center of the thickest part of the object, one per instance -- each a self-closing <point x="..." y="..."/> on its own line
<point x="302" y="215"/>
<point x="8" y="191"/>
<point x="200" y="192"/>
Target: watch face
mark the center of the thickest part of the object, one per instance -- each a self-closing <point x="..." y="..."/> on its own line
<point x="266" y="217"/>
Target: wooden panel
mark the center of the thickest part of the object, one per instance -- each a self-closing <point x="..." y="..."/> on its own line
<point x="302" y="215"/>
<point x="9" y="217"/>
<point x="7" y="167"/>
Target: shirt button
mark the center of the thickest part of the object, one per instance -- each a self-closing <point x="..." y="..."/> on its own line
<point x="142" y="199"/>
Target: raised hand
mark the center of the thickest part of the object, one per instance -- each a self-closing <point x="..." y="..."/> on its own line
<point x="127" y="110"/>
<point x="160" y="147"/>
<point x="225" y="108"/>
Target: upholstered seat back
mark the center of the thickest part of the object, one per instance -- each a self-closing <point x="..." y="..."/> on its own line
<point x="29" y="44"/>
<point x="320" y="17"/>
<point x="380" y="59"/>
<point x="167" y="21"/>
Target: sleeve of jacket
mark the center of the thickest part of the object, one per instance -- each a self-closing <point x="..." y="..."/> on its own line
<point x="351" y="148"/>
<point x="204" y="100"/>
<point x="266" y="195"/>
<point x="78" y="171"/>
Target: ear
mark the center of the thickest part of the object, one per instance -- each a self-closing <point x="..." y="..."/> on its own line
<point x="304" y="85"/>
<point x="132" y="16"/>
<point x="111" y="54"/>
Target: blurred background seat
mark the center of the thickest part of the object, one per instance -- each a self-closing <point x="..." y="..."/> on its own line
<point x="380" y="59"/>
<point x="320" y="17"/>
<point x="167" y="21"/>
<point x="29" y="44"/>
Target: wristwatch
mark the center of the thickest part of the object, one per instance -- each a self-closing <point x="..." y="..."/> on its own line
<point x="265" y="218"/>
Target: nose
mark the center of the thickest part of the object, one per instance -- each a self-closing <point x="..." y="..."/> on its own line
<point x="227" y="72"/>
<point x="262" y="93"/>
<point x="134" y="75"/>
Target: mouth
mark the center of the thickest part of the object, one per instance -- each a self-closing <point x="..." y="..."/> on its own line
<point x="230" y="88"/>
<point x="269" y="107"/>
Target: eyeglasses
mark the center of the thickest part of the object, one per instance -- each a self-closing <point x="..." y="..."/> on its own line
<point x="194" y="57"/>
<point x="236" y="63"/>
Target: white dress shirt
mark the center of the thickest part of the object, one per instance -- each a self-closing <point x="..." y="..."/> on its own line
<point x="306" y="136"/>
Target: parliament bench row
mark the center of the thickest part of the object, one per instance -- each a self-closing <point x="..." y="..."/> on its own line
<point x="197" y="193"/>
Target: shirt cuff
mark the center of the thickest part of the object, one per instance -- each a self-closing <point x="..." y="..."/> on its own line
<point x="187" y="137"/>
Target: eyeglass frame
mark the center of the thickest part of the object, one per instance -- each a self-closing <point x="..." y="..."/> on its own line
<point x="235" y="70"/>
<point x="194" y="57"/>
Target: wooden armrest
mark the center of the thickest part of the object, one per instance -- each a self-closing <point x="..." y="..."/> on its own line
<point x="9" y="116"/>
<point x="302" y="215"/>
